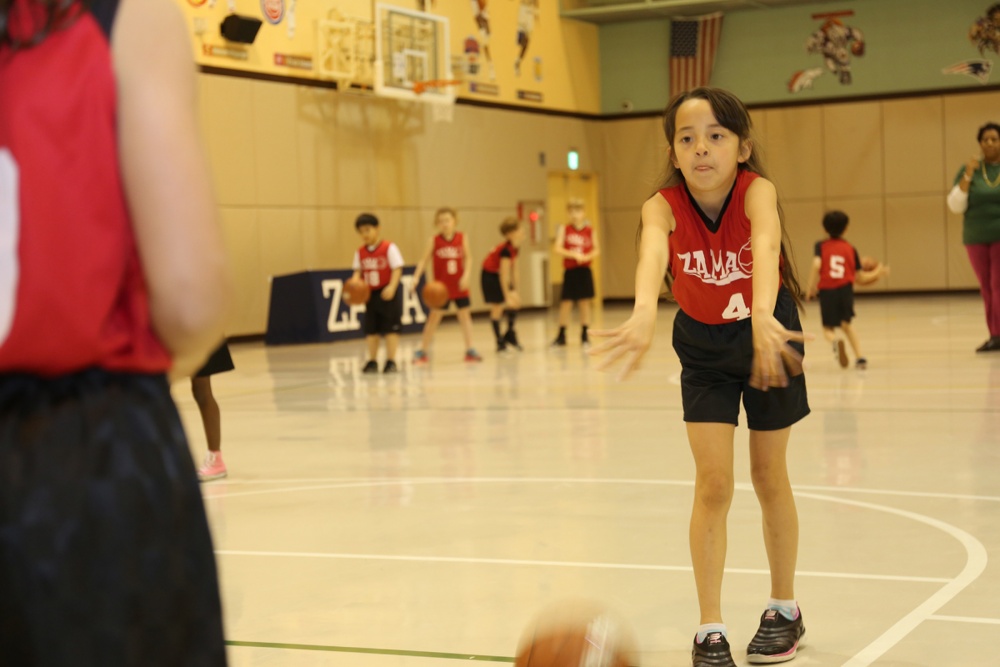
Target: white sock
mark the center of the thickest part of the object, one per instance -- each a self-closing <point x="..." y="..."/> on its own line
<point x="788" y="608"/>
<point x="709" y="628"/>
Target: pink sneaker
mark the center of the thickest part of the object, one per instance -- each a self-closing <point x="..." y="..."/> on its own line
<point x="420" y="358"/>
<point x="213" y="467"/>
<point x="472" y="357"/>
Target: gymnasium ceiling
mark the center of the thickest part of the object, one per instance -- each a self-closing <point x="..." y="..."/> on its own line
<point x="614" y="11"/>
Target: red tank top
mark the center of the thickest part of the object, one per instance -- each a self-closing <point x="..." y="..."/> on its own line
<point x="492" y="262"/>
<point x="72" y="293"/>
<point x="838" y="263"/>
<point x="579" y="240"/>
<point x="712" y="267"/>
<point x="449" y="263"/>
<point x="375" y="269"/>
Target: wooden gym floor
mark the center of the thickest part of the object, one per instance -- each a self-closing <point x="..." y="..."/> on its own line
<point x="422" y="519"/>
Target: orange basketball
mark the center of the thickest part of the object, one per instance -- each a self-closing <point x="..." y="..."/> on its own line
<point x="435" y="294"/>
<point x="869" y="263"/>
<point x="356" y="291"/>
<point x="574" y="634"/>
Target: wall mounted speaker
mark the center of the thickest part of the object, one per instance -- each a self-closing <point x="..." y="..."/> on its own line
<point x="243" y="29"/>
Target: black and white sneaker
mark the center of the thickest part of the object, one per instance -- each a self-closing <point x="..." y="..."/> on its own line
<point x="390" y="367"/>
<point x="511" y="339"/>
<point x="370" y="367"/>
<point x="713" y="652"/>
<point x="777" y="638"/>
<point x="560" y="341"/>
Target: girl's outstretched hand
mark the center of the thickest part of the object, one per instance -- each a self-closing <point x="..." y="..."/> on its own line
<point x="774" y="359"/>
<point x="630" y="340"/>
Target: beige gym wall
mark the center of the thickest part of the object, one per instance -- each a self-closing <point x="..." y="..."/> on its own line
<point x="293" y="165"/>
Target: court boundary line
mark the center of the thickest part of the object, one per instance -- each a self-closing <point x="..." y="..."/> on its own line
<point x="964" y="619"/>
<point x="370" y="651"/>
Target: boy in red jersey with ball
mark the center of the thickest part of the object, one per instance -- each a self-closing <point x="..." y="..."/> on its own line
<point x="835" y="269"/>
<point x="452" y="261"/>
<point x="380" y="264"/>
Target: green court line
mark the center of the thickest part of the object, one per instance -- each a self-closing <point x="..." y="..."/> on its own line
<point x="374" y="651"/>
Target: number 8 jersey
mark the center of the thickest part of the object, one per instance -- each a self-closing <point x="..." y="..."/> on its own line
<point x="711" y="262"/>
<point x="449" y="264"/>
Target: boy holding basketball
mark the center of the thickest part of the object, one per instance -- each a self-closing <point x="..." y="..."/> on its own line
<point x="380" y="264"/>
<point x="499" y="282"/>
<point x="449" y="250"/>
<point x="835" y="269"/>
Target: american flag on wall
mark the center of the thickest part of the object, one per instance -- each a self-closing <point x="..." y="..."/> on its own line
<point x="693" y="43"/>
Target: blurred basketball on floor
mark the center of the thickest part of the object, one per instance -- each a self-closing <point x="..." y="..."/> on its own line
<point x="435" y="294"/>
<point x="869" y="263"/>
<point x="576" y="634"/>
<point x="356" y="291"/>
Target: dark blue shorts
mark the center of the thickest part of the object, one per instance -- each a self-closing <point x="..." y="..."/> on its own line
<point x="715" y="373"/>
<point x="105" y="552"/>
<point x="383" y="317"/>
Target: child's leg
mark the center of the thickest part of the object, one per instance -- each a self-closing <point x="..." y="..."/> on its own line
<point x="465" y="319"/>
<point x="372" y="342"/>
<point x="852" y="338"/>
<point x="211" y="418"/>
<point x="496" y="313"/>
<point x="712" y="446"/>
<point x="830" y="334"/>
<point x="584" y="306"/>
<point x="769" y="473"/>
<point x="391" y="345"/>
<point x="430" y="326"/>
<point x="565" y="307"/>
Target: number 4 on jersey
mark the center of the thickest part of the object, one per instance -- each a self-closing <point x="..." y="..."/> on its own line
<point x="737" y="308"/>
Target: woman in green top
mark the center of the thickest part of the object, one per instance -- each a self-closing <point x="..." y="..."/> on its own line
<point x="976" y="193"/>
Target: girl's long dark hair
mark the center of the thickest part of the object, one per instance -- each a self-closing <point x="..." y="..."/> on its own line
<point x="47" y="17"/>
<point x="732" y="114"/>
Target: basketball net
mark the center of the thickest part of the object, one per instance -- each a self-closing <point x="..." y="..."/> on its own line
<point x="442" y="106"/>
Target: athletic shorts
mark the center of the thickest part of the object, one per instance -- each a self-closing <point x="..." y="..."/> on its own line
<point x="383" y="317"/>
<point x="105" y="552"/>
<point x="492" y="293"/>
<point x="836" y="305"/>
<point x="578" y="283"/>
<point x="715" y="373"/>
<point x="459" y="301"/>
<point x="219" y="361"/>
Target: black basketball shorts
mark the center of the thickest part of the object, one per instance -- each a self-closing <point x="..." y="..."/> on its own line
<point x="716" y="361"/>
<point x="492" y="292"/>
<point x="578" y="283"/>
<point x="383" y="317"/>
<point x="836" y="305"/>
<point x="105" y="552"/>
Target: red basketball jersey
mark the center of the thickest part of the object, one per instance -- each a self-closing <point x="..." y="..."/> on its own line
<point x="375" y="268"/>
<point x="492" y="262"/>
<point x="839" y="263"/>
<point x="711" y="262"/>
<point x="449" y="263"/>
<point x="578" y="240"/>
<point x="72" y="293"/>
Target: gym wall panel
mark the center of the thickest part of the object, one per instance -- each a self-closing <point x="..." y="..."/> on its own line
<point x="226" y="109"/>
<point x="634" y="158"/>
<point x="794" y="152"/>
<point x="852" y="149"/>
<point x="281" y="236"/>
<point x="915" y="242"/>
<point x="317" y="146"/>
<point x="913" y="135"/>
<point x="275" y="124"/>
<point x="241" y="232"/>
<point x="620" y="253"/>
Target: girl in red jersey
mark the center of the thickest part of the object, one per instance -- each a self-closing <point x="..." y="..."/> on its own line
<point x="108" y="280"/>
<point x="578" y="246"/>
<point x="715" y="231"/>
<point x="448" y="250"/>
